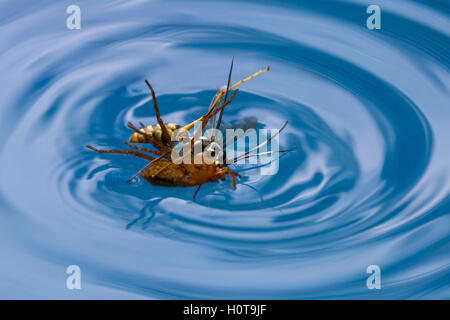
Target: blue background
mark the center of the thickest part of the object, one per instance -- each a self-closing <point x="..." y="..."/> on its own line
<point x="368" y="184"/>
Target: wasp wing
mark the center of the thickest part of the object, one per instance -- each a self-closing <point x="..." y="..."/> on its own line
<point x="240" y="128"/>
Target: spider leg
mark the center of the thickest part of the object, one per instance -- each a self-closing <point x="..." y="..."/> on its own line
<point x="149" y="164"/>
<point x="156" y="152"/>
<point x="196" y="191"/>
<point x="134" y="153"/>
<point x="158" y="116"/>
<point x="232" y="174"/>
<point x="262" y="144"/>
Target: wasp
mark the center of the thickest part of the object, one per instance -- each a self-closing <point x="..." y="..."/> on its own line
<point x="163" y="170"/>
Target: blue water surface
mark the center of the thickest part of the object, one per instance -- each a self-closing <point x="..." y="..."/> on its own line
<point x="368" y="184"/>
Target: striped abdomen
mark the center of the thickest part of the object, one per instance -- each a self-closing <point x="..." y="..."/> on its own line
<point x="155" y="132"/>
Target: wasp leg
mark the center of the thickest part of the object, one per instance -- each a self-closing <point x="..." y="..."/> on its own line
<point x="156" y="152"/>
<point x="134" y="153"/>
<point x="158" y="116"/>
<point x="231" y="173"/>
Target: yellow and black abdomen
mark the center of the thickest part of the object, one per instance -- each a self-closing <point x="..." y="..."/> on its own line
<point x="155" y="132"/>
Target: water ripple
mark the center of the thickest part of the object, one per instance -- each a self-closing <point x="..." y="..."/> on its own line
<point x="368" y="183"/>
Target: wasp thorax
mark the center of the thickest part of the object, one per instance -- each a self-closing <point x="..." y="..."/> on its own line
<point x="209" y="151"/>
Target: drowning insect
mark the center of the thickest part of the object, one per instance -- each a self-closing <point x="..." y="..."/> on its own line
<point x="163" y="169"/>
